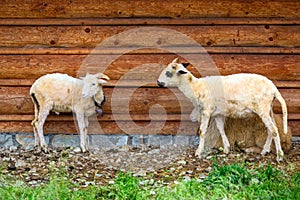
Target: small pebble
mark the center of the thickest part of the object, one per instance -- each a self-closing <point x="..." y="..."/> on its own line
<point x="182" y="162"/>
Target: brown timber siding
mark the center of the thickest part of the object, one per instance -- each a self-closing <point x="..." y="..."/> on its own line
<point x="41" y="37"/>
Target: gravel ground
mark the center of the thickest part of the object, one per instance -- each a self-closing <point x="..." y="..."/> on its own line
<point x="102" y="165"/>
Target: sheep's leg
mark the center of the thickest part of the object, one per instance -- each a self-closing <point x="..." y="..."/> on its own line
<point x="220" y="125"/>
<point x="44" y="112"/>
<point x="86" y="133"/>
<point x="82" y="130"/>
<point x="36" y="136"/>
<point x="267" y="146"/>
<point x="202" y="133"/>
<point x="272" y="130"/>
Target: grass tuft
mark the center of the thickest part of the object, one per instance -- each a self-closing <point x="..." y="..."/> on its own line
<point x="235" y="181"/>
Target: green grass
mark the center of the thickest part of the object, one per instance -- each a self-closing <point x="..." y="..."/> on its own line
<point x="236" y="181"/>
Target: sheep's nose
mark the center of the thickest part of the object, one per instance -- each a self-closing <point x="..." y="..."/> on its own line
<point x="160" y="84"/>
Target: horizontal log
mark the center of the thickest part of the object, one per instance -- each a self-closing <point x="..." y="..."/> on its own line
<point x="117" y="117"/>
<point x="133" y="50"/>
<point x="146" y="21"/>
<point x="152" y="8"/>
<point x="117" y="127"/>
<point x="123" y="127"/>
<point x="16" y="100"/>
<point x="131" y="83"/>
<point x="160" y="36"/>
<point x="148" y="67"/>
<point x="295" y="127"/>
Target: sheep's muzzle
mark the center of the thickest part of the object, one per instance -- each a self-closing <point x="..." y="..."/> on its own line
<point x="160" y="84"/>
<point x="99" y="111"/>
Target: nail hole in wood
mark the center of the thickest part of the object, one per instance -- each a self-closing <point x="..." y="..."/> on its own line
<point x="87" y="30"/>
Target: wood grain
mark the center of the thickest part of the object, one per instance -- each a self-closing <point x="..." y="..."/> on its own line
<point x="275" y="67"/>
<point x="55" y="125"/>
<point x="41" y="37"/>
<point x="91" y="36"/>
<point x="146" y="21"/>
<point x="132" y="83"/>
<point x="16" y="100"/>
<point x="69" y="127"/>
<point x="36" y="50"/>
<point x="149" y="8"/>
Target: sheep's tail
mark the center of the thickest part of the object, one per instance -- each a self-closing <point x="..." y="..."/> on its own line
<point x="279" y="97"/>
<point x="36" y="107"/>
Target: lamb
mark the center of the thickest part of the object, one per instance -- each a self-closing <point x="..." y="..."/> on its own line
<point x="246" y="134"/>
<point x="235" y="96"/>
<point x="63" y="93"/>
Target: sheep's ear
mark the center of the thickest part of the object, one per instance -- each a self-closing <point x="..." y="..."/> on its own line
<point x="102" y="76"/>
<point x="105" y="77"/>
<point x="82" y="77"/>
<point x="185" y="64"/>
<point x="175" y="60"/>
<point x="101" y="81"/>
<point x="181" y="72"/>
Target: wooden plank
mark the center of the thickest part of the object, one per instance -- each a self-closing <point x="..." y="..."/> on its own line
<point x="91" y="36"/>
<point x="16" y="100"/>
<point x="275" y="67"/>
<point x="116" y="117"/>
<point x="31" y="50"/>
<point x="295" y="127"/>
<point x="169" y="128"/>
<point x="152" y="8"/>
<point x="131" y="83"/>
<point x="146" y="21"/>
<point x="111" y="127"/>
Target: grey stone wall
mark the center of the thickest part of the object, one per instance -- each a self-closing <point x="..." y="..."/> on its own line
<point x="26" y="140"/>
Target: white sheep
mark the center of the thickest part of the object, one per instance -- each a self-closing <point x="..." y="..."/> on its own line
<point x="235" y="96"/>
<point x="62" y="93"/>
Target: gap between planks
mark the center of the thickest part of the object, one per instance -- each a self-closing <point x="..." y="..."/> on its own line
<point x="146" y="21"/>
<point x="46" y="50"/>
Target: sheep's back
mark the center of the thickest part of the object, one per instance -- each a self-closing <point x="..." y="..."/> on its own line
<point x="59" y="88"/>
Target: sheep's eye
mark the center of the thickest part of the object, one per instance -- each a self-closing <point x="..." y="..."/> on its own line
<point x="169" y="74"/>
<point x="174" y="67"/>
<point x="93" y="84"/>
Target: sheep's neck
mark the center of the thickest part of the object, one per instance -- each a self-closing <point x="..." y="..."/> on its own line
<point x="96" y="100"/>
<point x="187" y="86"/>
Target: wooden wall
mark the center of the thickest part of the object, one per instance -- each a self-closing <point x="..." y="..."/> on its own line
<point x="41" y="37"/>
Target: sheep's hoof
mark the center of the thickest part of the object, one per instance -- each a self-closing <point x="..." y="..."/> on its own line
<point x="264" y="152"/>
<point x="279" y="157"/>
<point x="84" y="150"/>
<point x="198" y="154"/>
<point x="37" y="148"/>
<point x="226" y="150"/>
<point x="45" y="149"/>
<point x="77" y="150"/>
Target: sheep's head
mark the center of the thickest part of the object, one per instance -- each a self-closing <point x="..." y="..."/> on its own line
<point x="92" y="85"/>
<point x="171" y="75"/>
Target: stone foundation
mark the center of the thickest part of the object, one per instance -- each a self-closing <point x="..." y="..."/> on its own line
<point x="26" y="140"/>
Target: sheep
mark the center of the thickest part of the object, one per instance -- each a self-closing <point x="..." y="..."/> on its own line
<point x="63" y="93"/>
<point x="235" y="96"/>
<point x="239" y="133"/>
